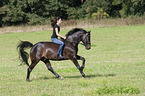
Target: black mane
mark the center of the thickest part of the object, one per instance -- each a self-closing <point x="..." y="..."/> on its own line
<point x="74" y="31"/>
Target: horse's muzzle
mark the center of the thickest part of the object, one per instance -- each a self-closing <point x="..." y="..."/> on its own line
<point x="88" y="47"/>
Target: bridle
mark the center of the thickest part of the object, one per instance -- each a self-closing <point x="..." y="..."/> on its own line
<point x="85" y="39"/>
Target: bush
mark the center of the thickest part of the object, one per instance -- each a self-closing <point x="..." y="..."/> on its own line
<point x="35" y="19"/>
<point x="100" y="15"/>
<point x="117" y="89"/>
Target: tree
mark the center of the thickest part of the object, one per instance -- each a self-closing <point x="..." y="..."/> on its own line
<point x="2" y="6"/>
<point x="132" y="7"/>
<point x="14" y="12"/>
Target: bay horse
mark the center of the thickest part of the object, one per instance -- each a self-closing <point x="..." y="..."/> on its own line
<point x="46" y="51"/>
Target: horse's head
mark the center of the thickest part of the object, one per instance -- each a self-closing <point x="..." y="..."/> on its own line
<point x="86" y="40"/>
<point x="77" y="34"/>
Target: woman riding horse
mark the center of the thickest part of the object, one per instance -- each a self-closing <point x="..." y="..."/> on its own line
<point x="54" y="38"/>
<point x="46" y="51"/>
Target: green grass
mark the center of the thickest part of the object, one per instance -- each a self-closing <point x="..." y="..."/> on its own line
<point x="115" y="65"/>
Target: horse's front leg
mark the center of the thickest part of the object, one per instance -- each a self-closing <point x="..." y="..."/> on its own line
<point x="83" y="61"/>
<point x="74" y="60"/>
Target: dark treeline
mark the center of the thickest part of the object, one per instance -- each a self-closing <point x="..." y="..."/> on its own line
<point x="16" y="12"/>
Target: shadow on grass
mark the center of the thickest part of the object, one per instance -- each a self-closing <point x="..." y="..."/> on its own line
<point x="92" y="76"/>
<point x="79" y="76"/>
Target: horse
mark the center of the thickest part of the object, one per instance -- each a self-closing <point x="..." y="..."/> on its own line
<point x="46" y="51"/>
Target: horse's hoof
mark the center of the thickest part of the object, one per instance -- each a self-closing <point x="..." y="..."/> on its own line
<point x="27" y="80"/>
<point x="61" y="78"/>
<point x="86" y="77"/>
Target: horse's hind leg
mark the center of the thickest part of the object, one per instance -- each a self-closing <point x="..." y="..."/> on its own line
<point x="30" y="68"/>
<point x="49" y="67"/>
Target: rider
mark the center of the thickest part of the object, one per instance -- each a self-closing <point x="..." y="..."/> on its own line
<point x="54" y="38"/>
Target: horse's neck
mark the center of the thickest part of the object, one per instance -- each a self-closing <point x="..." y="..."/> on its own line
<point x="72" y="45"/>
<point x="72" y="41"/>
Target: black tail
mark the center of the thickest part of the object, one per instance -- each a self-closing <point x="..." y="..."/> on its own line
<point x="23" y="55"/>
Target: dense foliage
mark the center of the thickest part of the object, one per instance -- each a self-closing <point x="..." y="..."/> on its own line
<point x="15" y="12"/>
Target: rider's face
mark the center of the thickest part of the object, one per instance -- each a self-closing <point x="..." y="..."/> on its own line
<point x="59" y="21"/>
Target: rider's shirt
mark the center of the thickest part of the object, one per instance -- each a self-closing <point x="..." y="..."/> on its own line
<point x="54" y="32"/>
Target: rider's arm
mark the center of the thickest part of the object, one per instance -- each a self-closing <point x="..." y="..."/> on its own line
<point x="56" y="30"/>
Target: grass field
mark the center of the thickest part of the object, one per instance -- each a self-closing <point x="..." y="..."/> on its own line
<point x="115" y="65"/>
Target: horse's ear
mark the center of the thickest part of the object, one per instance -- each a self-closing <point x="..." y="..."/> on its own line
<point x="89" y="32"/>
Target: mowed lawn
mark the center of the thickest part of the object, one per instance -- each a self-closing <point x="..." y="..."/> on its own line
<point x="115" y="65"/>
